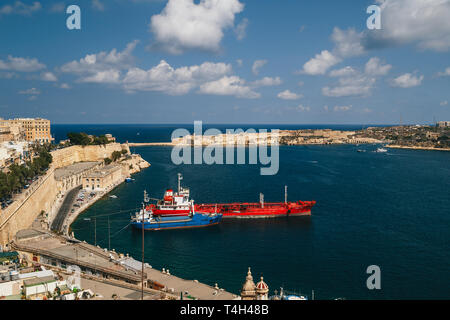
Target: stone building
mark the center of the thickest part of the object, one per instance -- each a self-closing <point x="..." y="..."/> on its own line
<point x="443" y="124"/>
<point x="29" y="129"/>
<point x="71" y="176"/>
<point x="103" y="178"/>
<point x="252" y="291"/>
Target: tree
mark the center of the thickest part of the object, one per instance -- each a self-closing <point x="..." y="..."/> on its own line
<point x="116" y="155"/>
<point x="81" y="139"/>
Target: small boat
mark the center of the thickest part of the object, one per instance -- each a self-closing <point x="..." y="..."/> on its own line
<point x="360" y="150"/>
<point x="288" y="296"/>
<point x="381" y="150"/>
<point x="129" y="179"/>
<point x="113" y="196"/>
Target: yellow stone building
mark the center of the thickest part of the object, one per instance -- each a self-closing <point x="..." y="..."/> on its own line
<point x="103" y="179"/>
<point x="35" y="129"/>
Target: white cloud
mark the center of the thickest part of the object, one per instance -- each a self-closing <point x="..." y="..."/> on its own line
<point x="20" y="8"/>
<point x="229" y="85"/>
<point x="21" y="64"/>
<point x="48" y="76"/>
<point x="424" y="23"/>
<point x="407" y="80"/>
<point x="103" y="66"/>
<point x="184" y="24"/>
<point x="107" y="76"/>
<point x="375" y="67"/>
<point x="32" y="91"/>
<point x="446" y="73"/>
<point x="241" y="29"/>
<point x="347" y="43"/>
<point x="165" y="78"/>
<point x="239" y="62"/>
<point x="344" y="72"/>
<point x="444" y="103"/>
<point x="303" y="108"/>
<point x="64" y="86"/>
<point x="351" y="86"/>
<point x="288" y="95"/>
<point x="342" y="108"/>
<point x="267" y="82"/>
<point x="320" y="63"/>
<point x="258" y="64"/>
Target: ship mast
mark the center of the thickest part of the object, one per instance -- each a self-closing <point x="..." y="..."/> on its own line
<point x="285" y="194"/>
<point x="180" y="177"/>
<point x="261" y="200"/>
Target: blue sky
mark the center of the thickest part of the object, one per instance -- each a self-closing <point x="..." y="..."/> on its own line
<point x="226" y="61"/>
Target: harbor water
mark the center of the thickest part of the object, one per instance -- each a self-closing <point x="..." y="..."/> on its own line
<point x="386" y="209"/>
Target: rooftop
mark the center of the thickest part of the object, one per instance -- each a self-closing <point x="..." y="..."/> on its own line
<point x="103" y="171"/>
<point x="37" y="281"/>
<point x="74" y="169"/>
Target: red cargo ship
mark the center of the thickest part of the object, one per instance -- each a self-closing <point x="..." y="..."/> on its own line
<point x="258" y="210"/>
<point x="178" y="204"/>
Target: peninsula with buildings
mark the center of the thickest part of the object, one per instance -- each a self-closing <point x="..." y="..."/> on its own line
<point x="426" y="137"/>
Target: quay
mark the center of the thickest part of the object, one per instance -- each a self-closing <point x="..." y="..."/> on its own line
<point x="417" y="148"/>
<point x="108" y="269"/>
<point x="151" y="144"/>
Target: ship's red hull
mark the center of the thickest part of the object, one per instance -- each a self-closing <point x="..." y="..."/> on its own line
<point x="256" y="210"/>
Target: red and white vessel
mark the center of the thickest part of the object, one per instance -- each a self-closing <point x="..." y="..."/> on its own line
<point x="173" y="204"/>
<point x="179" y="204"/>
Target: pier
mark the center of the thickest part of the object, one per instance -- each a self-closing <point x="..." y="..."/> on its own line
<point x="109" y="269"/>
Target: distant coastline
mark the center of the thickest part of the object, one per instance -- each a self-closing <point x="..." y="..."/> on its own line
<point x="417" y="148"/>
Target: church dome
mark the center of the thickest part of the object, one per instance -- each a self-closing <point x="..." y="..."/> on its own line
<point x="249" y="285"/>
<point x="261" y="286"/>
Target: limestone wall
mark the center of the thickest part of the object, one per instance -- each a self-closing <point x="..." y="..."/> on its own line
<point x="22" y="212"/>
<point x="70" y="155"/>
<point x="42" y="194"/>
